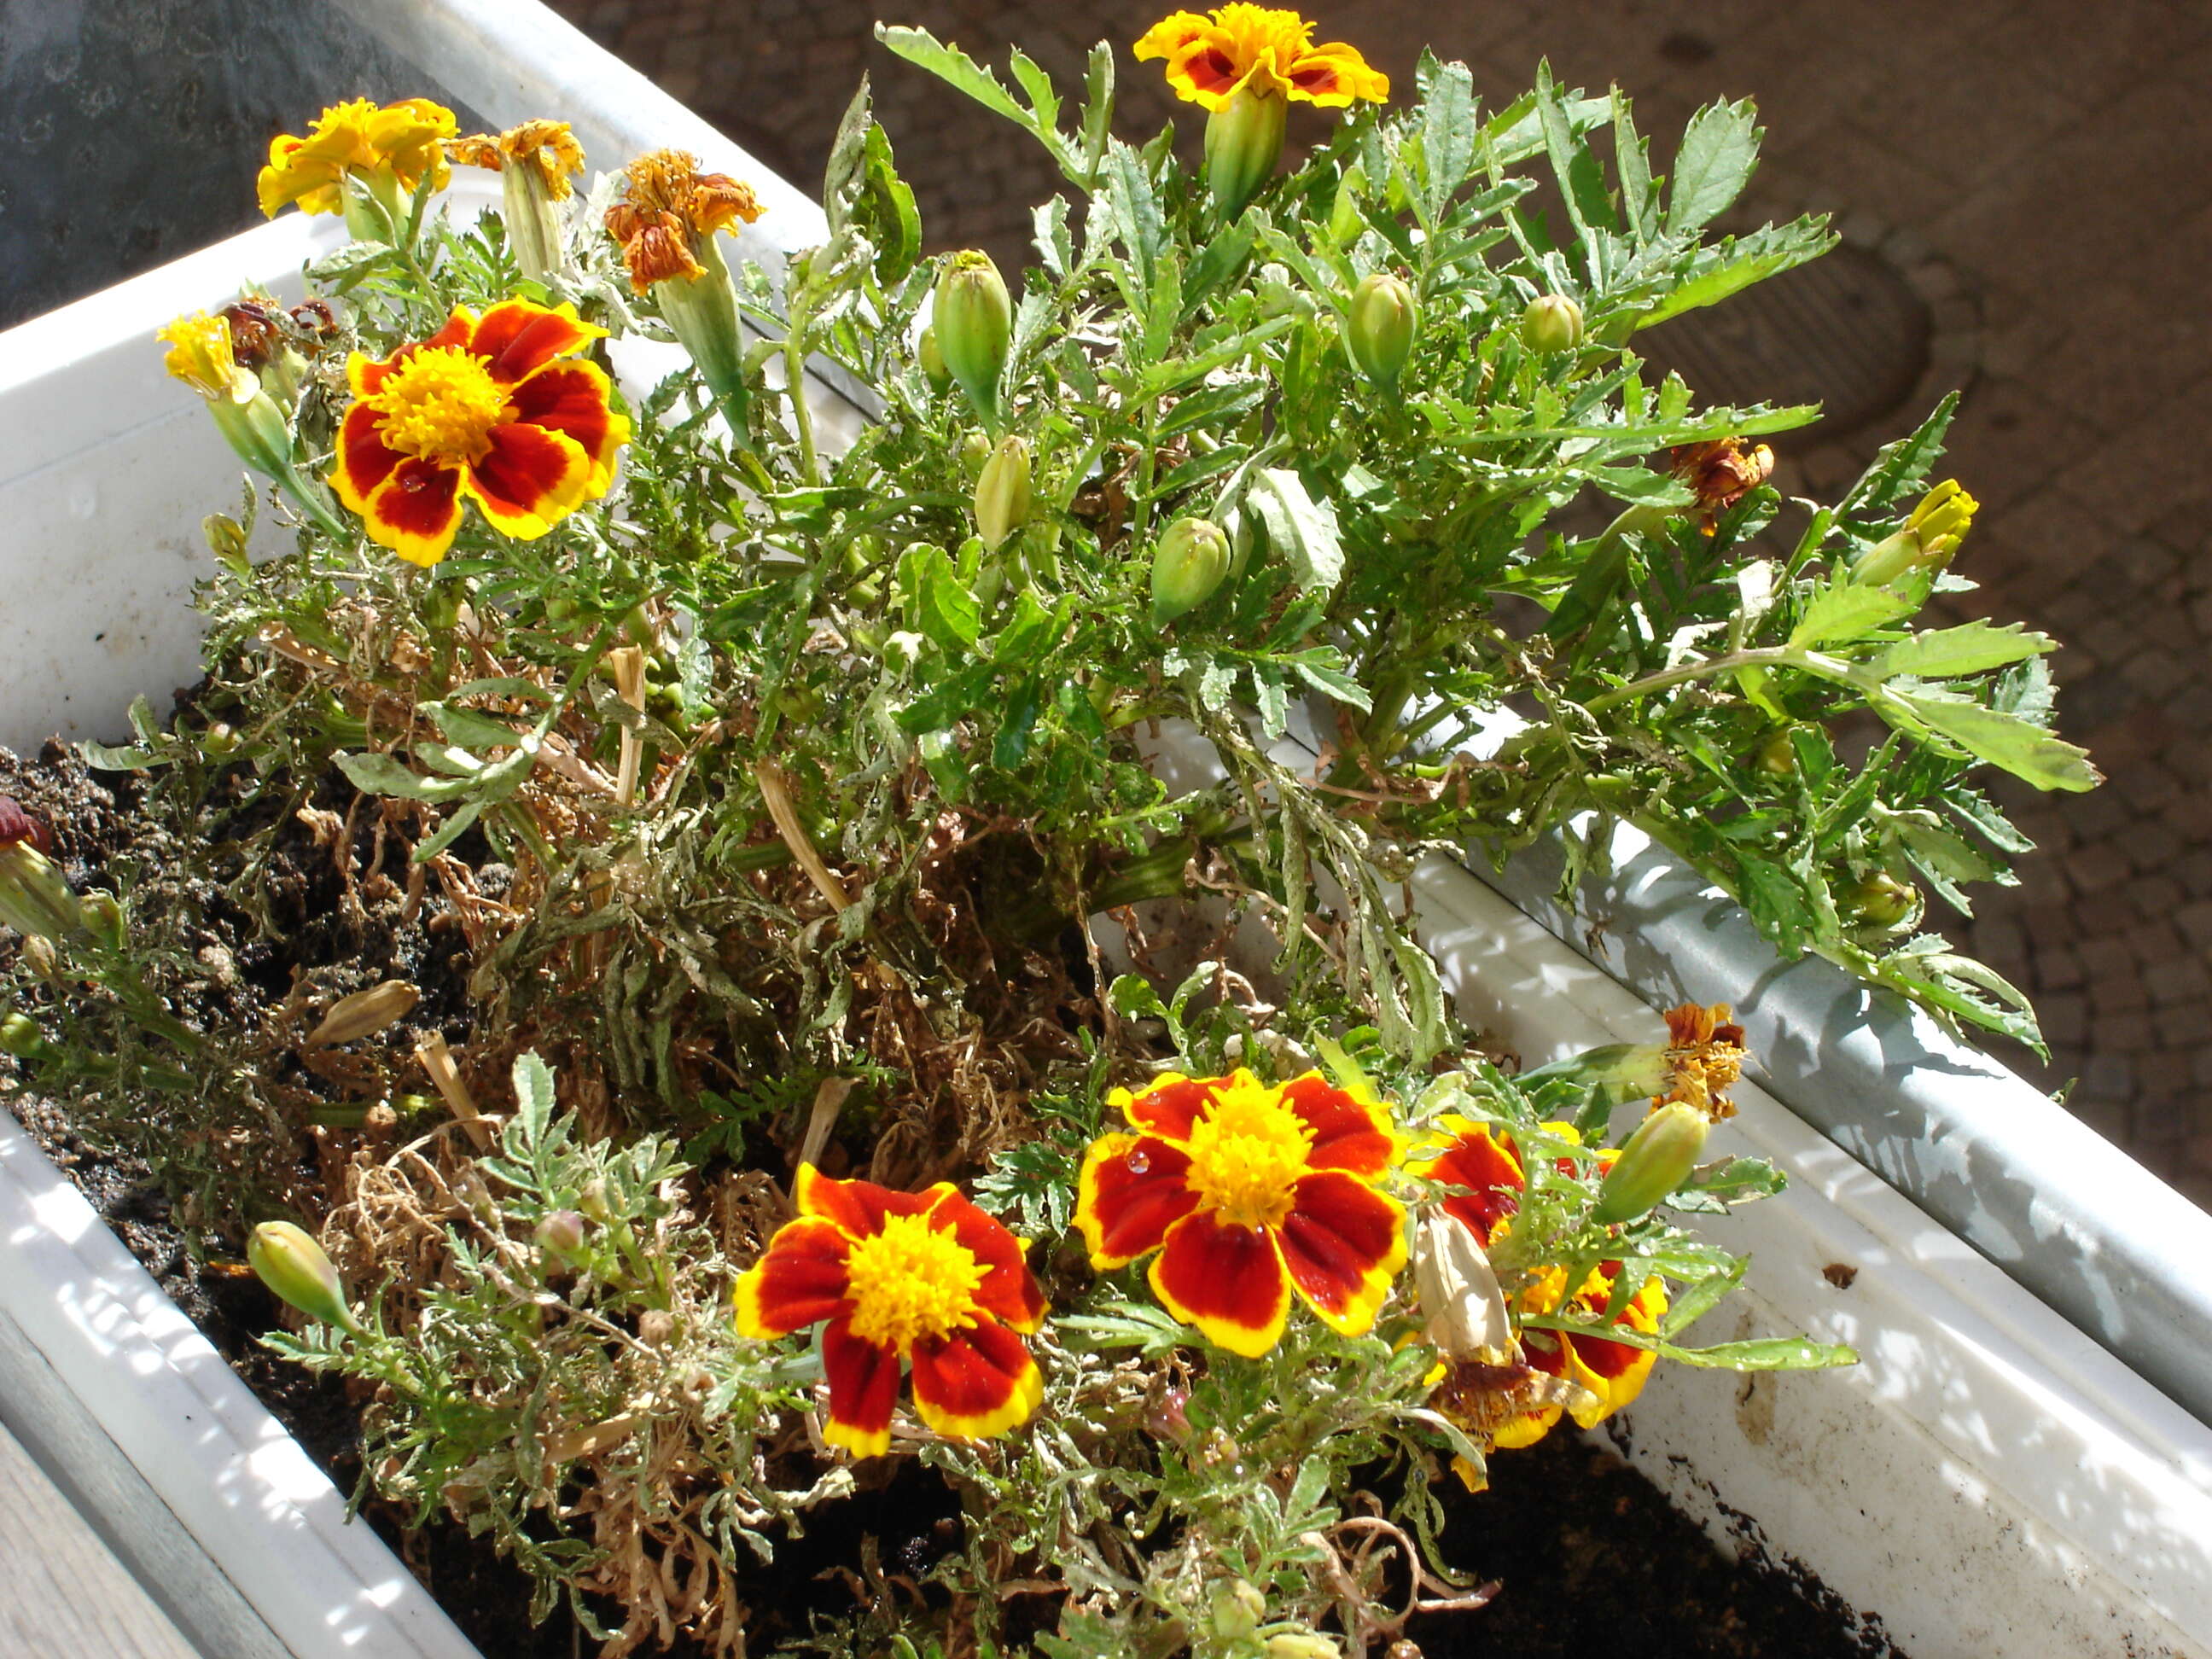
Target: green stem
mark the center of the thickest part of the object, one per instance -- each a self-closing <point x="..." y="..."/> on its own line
<point x="1778" y="656"/>
<point x="794" y="378"/>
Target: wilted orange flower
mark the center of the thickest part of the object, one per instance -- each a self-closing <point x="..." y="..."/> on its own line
<point x="919" y="1279"/>
<point x="401" y="143"/>
<point x="1248" y="1191"/>
<point x="1239" y="48"/>
<point x="1722" y="471"/>
<point x="1704" y="1055"/>
<point x="483" y="410"/>
<point x="668" y="205"/>
<point x="548" y="148"/>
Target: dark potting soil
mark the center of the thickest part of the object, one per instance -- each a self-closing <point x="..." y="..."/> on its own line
<point x="1585" y="1552"/>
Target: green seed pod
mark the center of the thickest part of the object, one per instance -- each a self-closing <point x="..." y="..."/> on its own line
<point x="974" y="322"/>
<point x="291" y="1264"/>
<point x="1238" y="1607"/>
<point x="1552" y="323"/>
<point x="1188" y="564"/>
<point x="1002" y="493"/>
<point x="1657" y="1159"/>
<point x="1242" y="144"/>
<point x="1379" y="328"/>
<point x="1879" y="900"/>
<point x="932" y="357"/>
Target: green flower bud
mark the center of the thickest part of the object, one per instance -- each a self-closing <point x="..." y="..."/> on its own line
<point x="1879" y="900"/>
<point x="1552" y="323"/>
<point x="19" y="1035"/>
<point x="293" y="1266"/>
<point x="1237" y="1610"/>
<point x="103" y="919"/>
<point x="1657" y="1159"/>
<point x="1002" y="493"/>
<point x="701" y="311"/>
<point x="1301" y="1645"/>
<point x="563" y="1232"/>
<point x="974" y="322"/>
<point x="1379" y="328"/>
<point x="1777" y="755"/>
<point x="1925" y="544"/>
<point x="1242" y="144"/>
<point x="933" y="363"/>
<point x="1188" y="564"/>
<point x="35" y="899"/>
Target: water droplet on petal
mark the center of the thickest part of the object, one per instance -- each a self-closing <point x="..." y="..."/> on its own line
<point x="1138" y="1162"/>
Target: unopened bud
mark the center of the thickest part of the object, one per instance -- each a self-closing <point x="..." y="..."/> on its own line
<point x="934" y="367"/>
<point x="19" y="1035"/>
<point x="1188" y="565"/>
<point x="293" y="1266"/>
<point x="1777" y="755"/>
<point x="564" y="1233"/>
<point x="592" y="1200"/>
<point x="1656" y="1159"/>
<point x="1379" y="328"/>
<point x="1300" y="1644"/>
<point x="974" y="320"/>
<point x="364" y="1014"/>
<point x="1927" y="540"/>
<point x="1880" y="901"/>
<point x="1552" y="323"/>
<point x="103" y="919"/>
<point x="1002" y="493"/>
<point x="35" y="899"/>
<point x="1238" y="1607"/>
<point x="1242" y="144"/>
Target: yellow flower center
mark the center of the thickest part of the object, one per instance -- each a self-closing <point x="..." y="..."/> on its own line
<point x="910" y="1282"/>
<point x="1246" y="1155"/>
<point x="441" y="404"/>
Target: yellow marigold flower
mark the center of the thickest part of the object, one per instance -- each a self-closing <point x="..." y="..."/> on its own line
<point x="1240" y="47"/>
<point x="668" y="208"/>
<point x="548" y="148"/>
<point x="397" y="145"/>
<point x="200" y="356"/>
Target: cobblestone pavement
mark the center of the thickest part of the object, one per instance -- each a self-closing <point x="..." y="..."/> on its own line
<point x="2058" y="157"/>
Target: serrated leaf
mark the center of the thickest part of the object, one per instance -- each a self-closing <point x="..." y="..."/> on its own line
<point x="1303" y="530"/>
<point x="2025" y="751"/>
<point x="533" y="1095"/>
<point x="944" y="611"/>
<point x="1967" y="649"/>
<point x="1844" y="611"/>
<point x="1720" y="147"/>
<point x="1322" y="668"/>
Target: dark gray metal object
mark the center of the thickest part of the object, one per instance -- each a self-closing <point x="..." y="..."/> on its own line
<point x="2064" y="1212"/>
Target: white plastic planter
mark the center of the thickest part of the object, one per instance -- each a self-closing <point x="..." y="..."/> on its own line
<point x="1989" y="1483"/>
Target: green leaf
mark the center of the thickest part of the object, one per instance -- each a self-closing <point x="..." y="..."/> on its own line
<point x="1640" y="487"/>
<point x="2025" y="749"/>
<point x="533" y="1095"/>
<point x="1763" y="1353"/>
<point x="380" y="774"/>
<point x="1322" y="668"/>
<point x="1844" y="611"/>
<point x="954" y="67"/>
<point x="1738" y="263"/>
<point x="1447" y="134"/>
<point x="1967" y="649"/>
<point x="1720" y="147"/>
<point x="1303" y="530"/>
<point x="469" y="729"/>
<point x="944" y="611"/>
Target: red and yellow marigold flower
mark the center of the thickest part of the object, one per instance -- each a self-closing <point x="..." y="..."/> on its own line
<point x="392" y="148"/>
<point x="1248" y="1191"/>
<point x="1607" y="1376"/>
<point x="486" y="410"/>
<point x="1260" y="50"/>
<point x="924" y="1279"/>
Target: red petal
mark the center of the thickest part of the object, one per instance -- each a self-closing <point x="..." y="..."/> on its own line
<point x="1009" y="1289"/>
<point x="1228" y="1281"/>
<point x="1131" y="1192"/>
<point x="363" y="458"/>
<point x="1348" y="1134"/>
<point x="516" y="339"/>
<point x="530" y="479"/>
<point x="855" y="1208"/>
<point x="1343" y="1242"/>
<point x="976" y="1383"/>
<point x="1169" y="1106"/>
<point x="571" y="398"/>
<point x="864" y="1380"/>
<point x="1481" y="1162"/>
<point x="800" y="1281"/>
<point x="415" y="511"/>
<point x="365" y="377"/>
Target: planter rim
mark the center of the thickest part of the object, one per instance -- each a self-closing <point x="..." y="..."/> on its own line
<point x="2063" y="1210"/>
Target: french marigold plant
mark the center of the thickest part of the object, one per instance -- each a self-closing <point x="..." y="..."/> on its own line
<point x="748" y="678"/>
<point x="1248" y="1192"/>
<point x="924" y="1280"/>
